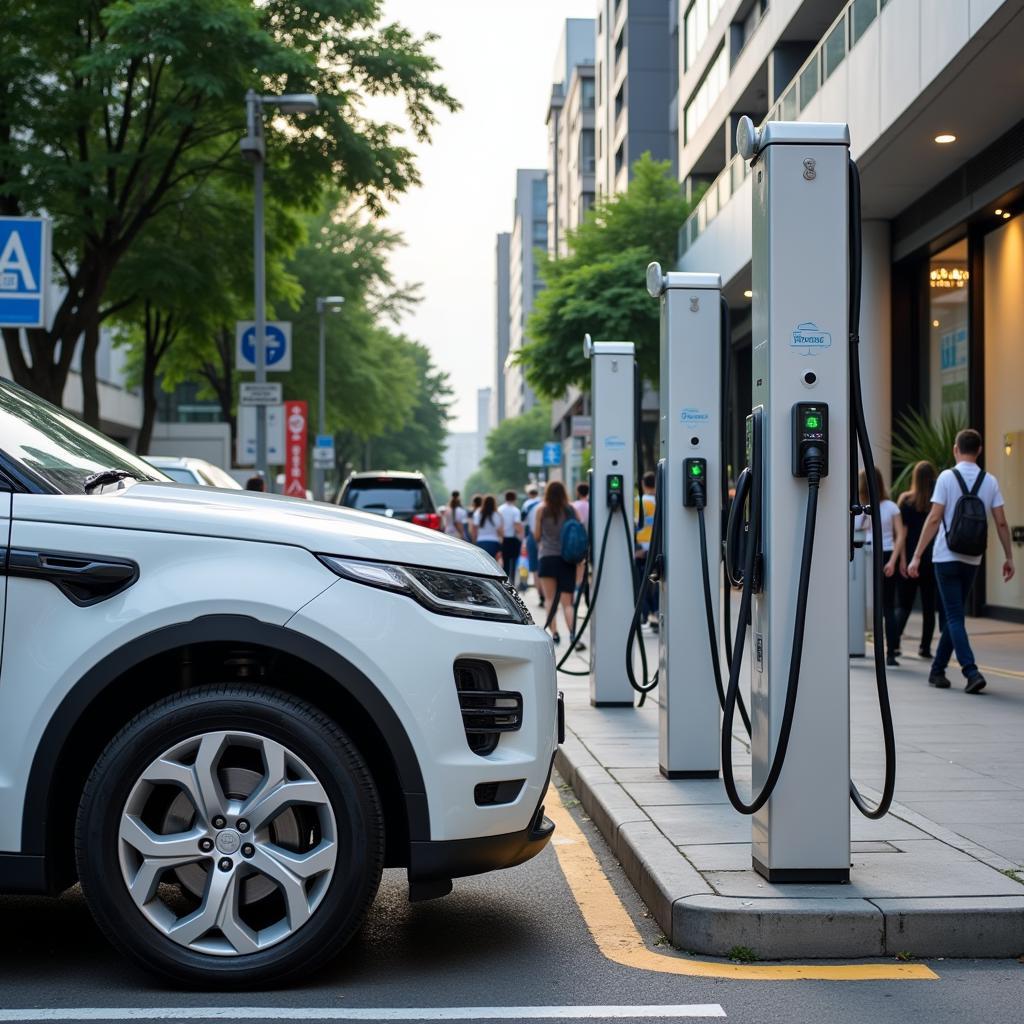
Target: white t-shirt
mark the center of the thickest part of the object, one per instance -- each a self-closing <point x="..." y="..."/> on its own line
<point x="455" y="520"/>
<point x="946" y="493"/>
<point x="510" y="516"/>
<point x="888" y="511"/>
<point x="486" y="530"/>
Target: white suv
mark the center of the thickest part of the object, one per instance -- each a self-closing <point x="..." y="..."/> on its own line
<point x="224" y="713"/>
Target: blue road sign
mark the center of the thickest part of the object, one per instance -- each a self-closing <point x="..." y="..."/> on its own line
<point x="279" y="347"/>
<point x="552" y="454"/>
<point x="24" y="271"/>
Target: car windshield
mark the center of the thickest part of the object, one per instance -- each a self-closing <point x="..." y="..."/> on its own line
<point x="181" y="476"/>
<point x="394" y="495"/>
<point x="56" y="446"/>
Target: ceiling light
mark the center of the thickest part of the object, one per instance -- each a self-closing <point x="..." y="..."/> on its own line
<point x="999" y="213"/>
<point x="945" y="138"/>
<point x="748" y="294"/>
<point x="935" y="323"/>
<point x="1006" y="215"/>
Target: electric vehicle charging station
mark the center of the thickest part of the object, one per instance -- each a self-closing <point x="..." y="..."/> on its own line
<point x="612" y="369"/>
<point x="691" y="463"/>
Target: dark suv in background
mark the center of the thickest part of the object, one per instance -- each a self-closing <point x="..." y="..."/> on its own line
<point x="403" y="496"/>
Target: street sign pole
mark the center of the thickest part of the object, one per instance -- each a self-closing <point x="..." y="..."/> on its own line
<point x="259" y="243"/>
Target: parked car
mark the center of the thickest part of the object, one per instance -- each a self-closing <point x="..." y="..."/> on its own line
<point x="225" y="712"/>
<point x="404" y="496"/>
<point x="186" y="470"/>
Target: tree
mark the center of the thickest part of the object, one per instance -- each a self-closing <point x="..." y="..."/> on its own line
<point x="110" y="110"/>
<point x="598" y="288"/>
<point x="418" y="444"/>
<point x="504" y="466"/>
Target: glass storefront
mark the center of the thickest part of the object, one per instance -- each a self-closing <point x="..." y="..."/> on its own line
<point x="948" y="334"/>
<point x="1004" y="399"/>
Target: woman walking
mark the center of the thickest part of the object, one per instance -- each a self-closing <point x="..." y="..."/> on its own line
<point x="893" y="541"/>
<point x="556" y="575"/>
<point x="454" y="517"/>
<point x="915" y="504"/>
<point x="487" y="530"/>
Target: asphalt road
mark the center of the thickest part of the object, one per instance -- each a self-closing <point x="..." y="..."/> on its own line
<point x="508" y="940"/>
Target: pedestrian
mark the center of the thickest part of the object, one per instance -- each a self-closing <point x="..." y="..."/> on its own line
<point x="454" y="517"/>
<point x="487" y="530"/>
<point x="582" y="507"/>
<point x="532" y="557"/>
<point x="512" y="528"/>
<point x="643" y="515"/>
<point x="256" y="483"/>
<point x="914" y="505"/>
<point x="893" y="540"/>
<point x="557" y="576"/>
<point x="964" y="498"/>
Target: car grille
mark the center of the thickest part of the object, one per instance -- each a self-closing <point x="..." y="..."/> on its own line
<point x="487" y="712"/>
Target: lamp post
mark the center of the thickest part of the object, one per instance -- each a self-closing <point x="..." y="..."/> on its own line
<point x="325" y="305"/>
<point x="254" y="150"/>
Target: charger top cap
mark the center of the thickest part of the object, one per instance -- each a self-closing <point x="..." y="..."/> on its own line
<point x="750" y="140"/>
<point x="608" y="348"/>
<point x="658" y="281"/>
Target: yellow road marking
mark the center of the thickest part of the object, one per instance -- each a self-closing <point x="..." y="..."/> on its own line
<point x="988" y="669"/>
<point x="618" y="939"/>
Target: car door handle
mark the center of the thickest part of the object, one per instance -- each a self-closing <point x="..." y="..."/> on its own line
<point x="83" y="579"/>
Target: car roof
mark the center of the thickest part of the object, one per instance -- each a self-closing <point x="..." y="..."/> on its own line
<point x="381" y="474"/>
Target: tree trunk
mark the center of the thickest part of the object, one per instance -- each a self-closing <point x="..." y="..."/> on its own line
<point x="90" y="385"/>
<point x="148" y="382"/>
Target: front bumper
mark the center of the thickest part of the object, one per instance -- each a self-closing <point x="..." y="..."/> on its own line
<point x="455" y="858"/>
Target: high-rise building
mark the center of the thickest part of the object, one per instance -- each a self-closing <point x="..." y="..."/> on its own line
<point x="484" y="397"/>
<point x="636" y="82"/>
<point x="937" y="132"/>
<point x="570" y="121"/>
<point x="502" y="323"/>
<point x="529" y="233"/>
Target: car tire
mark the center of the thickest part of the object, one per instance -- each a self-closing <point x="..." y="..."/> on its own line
<point x="181" y="881"/>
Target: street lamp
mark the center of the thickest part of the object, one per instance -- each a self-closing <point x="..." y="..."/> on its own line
<point x="253" y="149"/>
<point x="325" y="305"/>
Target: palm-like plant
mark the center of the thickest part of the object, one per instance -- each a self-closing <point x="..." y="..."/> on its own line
<point x="918" y="438"/>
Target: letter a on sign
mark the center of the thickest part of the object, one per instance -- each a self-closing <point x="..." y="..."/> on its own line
<point x="14" y="261"/>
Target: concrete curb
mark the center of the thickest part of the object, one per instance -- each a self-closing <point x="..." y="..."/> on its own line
<point x="698" y="920"/>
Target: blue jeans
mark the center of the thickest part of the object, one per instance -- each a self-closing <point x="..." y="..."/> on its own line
<point x="954" y="580"/>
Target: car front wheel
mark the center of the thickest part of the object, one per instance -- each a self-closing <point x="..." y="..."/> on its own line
<point x="230" y="836"/>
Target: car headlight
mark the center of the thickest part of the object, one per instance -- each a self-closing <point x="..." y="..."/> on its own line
<point x="446" y="593"/>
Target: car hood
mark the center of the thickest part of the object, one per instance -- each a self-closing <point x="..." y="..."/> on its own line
<point x="267" y="518"/>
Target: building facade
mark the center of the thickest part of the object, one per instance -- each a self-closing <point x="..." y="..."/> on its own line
<point x="932" y="95"/>
<point x="570" y="124"/>
<point x="529" y="233"/>
<point x="502" y="323"/>
<point x="635" y="83"/>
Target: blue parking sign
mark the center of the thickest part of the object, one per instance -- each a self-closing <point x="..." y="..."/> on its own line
<point x="24" y="271"/>
<point x="552" y="454"/>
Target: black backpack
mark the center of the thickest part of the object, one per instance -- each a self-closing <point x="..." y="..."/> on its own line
<point x="968" y="533"/>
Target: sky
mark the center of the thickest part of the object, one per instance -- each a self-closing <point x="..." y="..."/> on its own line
<point x="497" y="59"/>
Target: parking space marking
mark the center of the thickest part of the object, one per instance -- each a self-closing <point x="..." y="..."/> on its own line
<point x="246" y="1013"/>
<point x="619" y="941"/>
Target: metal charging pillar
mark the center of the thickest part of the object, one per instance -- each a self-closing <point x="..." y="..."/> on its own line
<point x="690" y="387"/>
<point x="800" y="272"/>
<point x="613" y="447"/>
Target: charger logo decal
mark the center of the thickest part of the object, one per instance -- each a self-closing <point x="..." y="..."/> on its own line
<point x="810" y="338"/>
<point x="693" y="417"/>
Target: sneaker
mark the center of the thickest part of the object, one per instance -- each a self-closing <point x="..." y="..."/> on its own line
<point x="925" y="652"/>
<point x="898" y="653"/>
<point x="892" y="662"/>
<point x="938" y="680"/>
<point x="976" y="683"/>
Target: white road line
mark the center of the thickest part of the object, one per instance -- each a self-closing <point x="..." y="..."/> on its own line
<point x="246" y="1013"/>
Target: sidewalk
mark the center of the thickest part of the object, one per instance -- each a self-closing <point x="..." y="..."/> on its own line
<point x="941" y="875"/>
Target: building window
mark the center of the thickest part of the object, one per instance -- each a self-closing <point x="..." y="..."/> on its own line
<point x="704" y="96"/>
<point x="697" y="22"/>
<point x="620" y="100"/>
<point x="587" y="161"/>
<point x="587" y="93"/>
<point x="835" y="48"/>
<point x="539" y="197"/>
<point x="620" y="158"/>
<point x="862" y="13"/>
<point x="809" y="81"/>
<point x="948" y="333"/>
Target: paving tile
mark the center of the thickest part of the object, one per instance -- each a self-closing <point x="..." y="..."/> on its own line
<point x="718" y="856"/>
<point x="701" y="823"/>
<point x="677" y="791"/>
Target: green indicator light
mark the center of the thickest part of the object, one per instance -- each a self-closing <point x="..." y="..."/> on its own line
<point x="616" y="483"/>
<point x="813" y="422"/>
<point x="695" y="470"/>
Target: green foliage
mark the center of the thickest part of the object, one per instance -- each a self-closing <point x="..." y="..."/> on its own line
<point x="742" y="955"/>
<point x="599" y="287"/>
<point x="916" y="438"/>
<point x="115" y="110"/>
<point x="504" y="465"/>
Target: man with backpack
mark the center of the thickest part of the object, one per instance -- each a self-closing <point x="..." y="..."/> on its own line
<point x="963" y="499"/>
